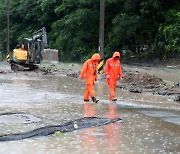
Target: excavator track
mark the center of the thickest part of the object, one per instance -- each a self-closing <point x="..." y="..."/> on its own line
<point x="22" y="67"/>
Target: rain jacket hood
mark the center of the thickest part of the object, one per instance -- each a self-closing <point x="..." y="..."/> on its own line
<point x="116" y="54"/>
<point x="96" y="56"/>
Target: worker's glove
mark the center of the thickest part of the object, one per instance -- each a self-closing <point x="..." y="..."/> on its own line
<point x="81" y="77"/>
<point x="95" y="72"/>
<point x="107" y="76"/>
<point x="120" y="78"/>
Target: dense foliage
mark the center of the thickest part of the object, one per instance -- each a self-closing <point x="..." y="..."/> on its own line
<point x="140" y="29"/>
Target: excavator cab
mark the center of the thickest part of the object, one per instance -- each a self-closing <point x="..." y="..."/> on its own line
<point x="33" y="49"/>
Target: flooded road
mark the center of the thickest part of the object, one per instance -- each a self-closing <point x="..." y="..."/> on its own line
<point x="151" y="124"/>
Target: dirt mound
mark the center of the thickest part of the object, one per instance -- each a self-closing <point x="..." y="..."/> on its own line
<point x="137" y="82"/>
<point x="141" y="79"/>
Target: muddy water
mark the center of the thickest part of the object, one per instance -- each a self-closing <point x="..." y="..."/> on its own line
<point x="151" y="124"/>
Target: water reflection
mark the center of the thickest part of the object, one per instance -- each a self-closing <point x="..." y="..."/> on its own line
<point x="113" y="131"/>
<point x="89" y="110"/>
<point x="89" y="140"/>
<point x="108" y="136"/>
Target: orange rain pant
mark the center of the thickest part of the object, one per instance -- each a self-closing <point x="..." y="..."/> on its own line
<point x="112" y="88"/>
<point x="89" y="91"/>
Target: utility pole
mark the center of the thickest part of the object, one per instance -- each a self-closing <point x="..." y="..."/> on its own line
<point x="7" y="14"/>
<point x="101" y="28"/>
<point x="101" y="36"/>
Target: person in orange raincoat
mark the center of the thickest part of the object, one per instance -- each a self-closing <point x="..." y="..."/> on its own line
<point x="113" y="72"/>
<point x="89" y="72"/>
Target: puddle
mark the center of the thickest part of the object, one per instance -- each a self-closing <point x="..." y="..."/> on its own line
<point x="164" y="115"/>
<point x="18" y="118"/>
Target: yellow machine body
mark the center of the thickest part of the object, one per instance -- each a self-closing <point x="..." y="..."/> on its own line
<point x="20" y="55"/>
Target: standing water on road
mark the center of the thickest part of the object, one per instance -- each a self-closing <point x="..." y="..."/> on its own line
<point x="151" y="124"/>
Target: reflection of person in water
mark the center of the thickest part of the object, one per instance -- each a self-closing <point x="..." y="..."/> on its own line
<point x="111" y="111"/>
<point x="89" y="140"/>
<point x="112" y="131"/>
<point x="89" y="111"/>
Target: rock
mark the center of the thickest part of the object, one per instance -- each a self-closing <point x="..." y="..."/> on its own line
<point x="135" y="90"/>
<point x="177" y="99"/>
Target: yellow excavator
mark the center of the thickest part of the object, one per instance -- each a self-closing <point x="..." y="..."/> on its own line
<point x="29" y="55"/>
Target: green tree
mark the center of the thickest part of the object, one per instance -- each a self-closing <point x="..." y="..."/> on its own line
<point x="76" y="33"/>
<point x="122" y="24"/>
<point x="170" y="34"/>
<point x="3" y="31"/>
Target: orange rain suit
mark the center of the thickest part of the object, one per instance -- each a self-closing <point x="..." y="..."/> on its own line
<point x="113" y="72"/>
<point x="89" y="71"/>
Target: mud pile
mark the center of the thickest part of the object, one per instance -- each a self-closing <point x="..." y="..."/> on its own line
<point x="137" y="82"/>
<point x="140" y="82"/>
<point x="141" y="79"/>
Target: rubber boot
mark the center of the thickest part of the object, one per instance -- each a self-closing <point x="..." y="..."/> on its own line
<point x="95" y="100"/>
<point x="115" y="99"/>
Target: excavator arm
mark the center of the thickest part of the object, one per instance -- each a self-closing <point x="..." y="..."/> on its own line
<point x="41" y="34"/>
<point x="37" y="44"/>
